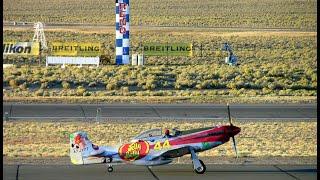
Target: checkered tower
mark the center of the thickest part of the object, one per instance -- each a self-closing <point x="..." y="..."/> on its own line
<point x="122" y="32"/>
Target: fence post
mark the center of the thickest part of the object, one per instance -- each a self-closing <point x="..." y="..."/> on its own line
<point x="98" y="115"/>
<point x="201" y="49"/>
<point x="6" y="115"/>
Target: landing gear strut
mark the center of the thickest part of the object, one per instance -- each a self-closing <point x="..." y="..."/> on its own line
<point x="198" y="165"/>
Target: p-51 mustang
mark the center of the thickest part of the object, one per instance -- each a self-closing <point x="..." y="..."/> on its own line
<point x="151" y="148"/>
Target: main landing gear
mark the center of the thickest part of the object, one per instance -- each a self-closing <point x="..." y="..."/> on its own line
<point x="201" y="169"/>
<point x="198" y="165"/>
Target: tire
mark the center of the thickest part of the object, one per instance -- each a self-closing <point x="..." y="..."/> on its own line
<point x="110" y="169"/>
<point x="203" y="168"/>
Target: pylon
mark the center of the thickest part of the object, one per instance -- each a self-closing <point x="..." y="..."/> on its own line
<point x="39" y="35"/>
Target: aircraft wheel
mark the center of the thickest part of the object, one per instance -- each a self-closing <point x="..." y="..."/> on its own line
<point x="110" y="169"/>
<point x="202" y="169"/>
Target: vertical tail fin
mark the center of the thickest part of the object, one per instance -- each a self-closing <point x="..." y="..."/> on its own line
<point x="82" y="151"/>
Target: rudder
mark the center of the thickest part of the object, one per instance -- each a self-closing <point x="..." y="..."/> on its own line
<point x="82" y="151"/>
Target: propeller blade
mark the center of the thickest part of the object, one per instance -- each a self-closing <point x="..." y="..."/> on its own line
<point x="235" y="146"/>
<point x="229" y="115"/>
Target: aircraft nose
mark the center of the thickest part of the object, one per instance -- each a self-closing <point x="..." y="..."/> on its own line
<point x="235" y="130"/>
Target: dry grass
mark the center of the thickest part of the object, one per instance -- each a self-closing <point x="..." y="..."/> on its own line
<point x="208" y="13"/>
<point x="257" y="139"/>
<point x="185" y="31"/>
<point x="164" y="99"/>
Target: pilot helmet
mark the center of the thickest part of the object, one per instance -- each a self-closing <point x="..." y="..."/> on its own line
<point x="166" y="132"/>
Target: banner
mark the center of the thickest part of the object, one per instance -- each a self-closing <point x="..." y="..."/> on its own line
<point x="74" y="49"/>
<point x="21" y="48"/>
<point x="168" y="49"/>
<point x="72" y="60"/>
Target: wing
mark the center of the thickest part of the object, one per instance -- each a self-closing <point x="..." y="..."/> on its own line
<point x="173" y="153"/>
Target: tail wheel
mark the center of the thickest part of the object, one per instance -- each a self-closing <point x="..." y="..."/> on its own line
<point x="202" y="169"/>
<point x="110" y="169"/>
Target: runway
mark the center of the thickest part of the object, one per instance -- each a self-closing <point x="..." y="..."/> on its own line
<point x="166" y="172"/>
<point x="290" y="112"/>
<point x="52" y="26"/>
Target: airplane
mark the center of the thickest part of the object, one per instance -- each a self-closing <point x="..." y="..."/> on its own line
<point x="151" y="148"/>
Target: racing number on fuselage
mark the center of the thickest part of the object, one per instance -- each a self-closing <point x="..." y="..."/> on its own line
<point x="165" y="145"/>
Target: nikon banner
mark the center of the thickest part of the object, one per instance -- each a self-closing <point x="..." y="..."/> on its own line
<point x="21" y="48"/>
<point x="75" y="49"/>
<point x="167" y="49"/>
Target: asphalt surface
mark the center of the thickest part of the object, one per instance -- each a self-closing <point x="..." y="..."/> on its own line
<point x="175" y="172"/>
<point x="26" y="25"/>
<point x="164" y="111"/>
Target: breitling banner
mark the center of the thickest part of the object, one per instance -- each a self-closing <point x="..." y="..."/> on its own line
<point x="74" y="49"/>
<point x="21" y="48"/>
<point x="168" y="49"/>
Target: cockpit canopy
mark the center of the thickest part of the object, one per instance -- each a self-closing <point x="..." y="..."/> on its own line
<point x="148" y="135"/>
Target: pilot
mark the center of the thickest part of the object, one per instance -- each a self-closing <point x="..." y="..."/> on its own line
<point x="167" y="133"/>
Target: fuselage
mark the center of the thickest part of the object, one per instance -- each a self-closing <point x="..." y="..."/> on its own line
<point x="160" y="150"/>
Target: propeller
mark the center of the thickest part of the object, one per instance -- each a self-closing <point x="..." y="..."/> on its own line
<point x="235" y="146"/>
<point x="231" y="125"/>
<point x="230" y="120"/>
